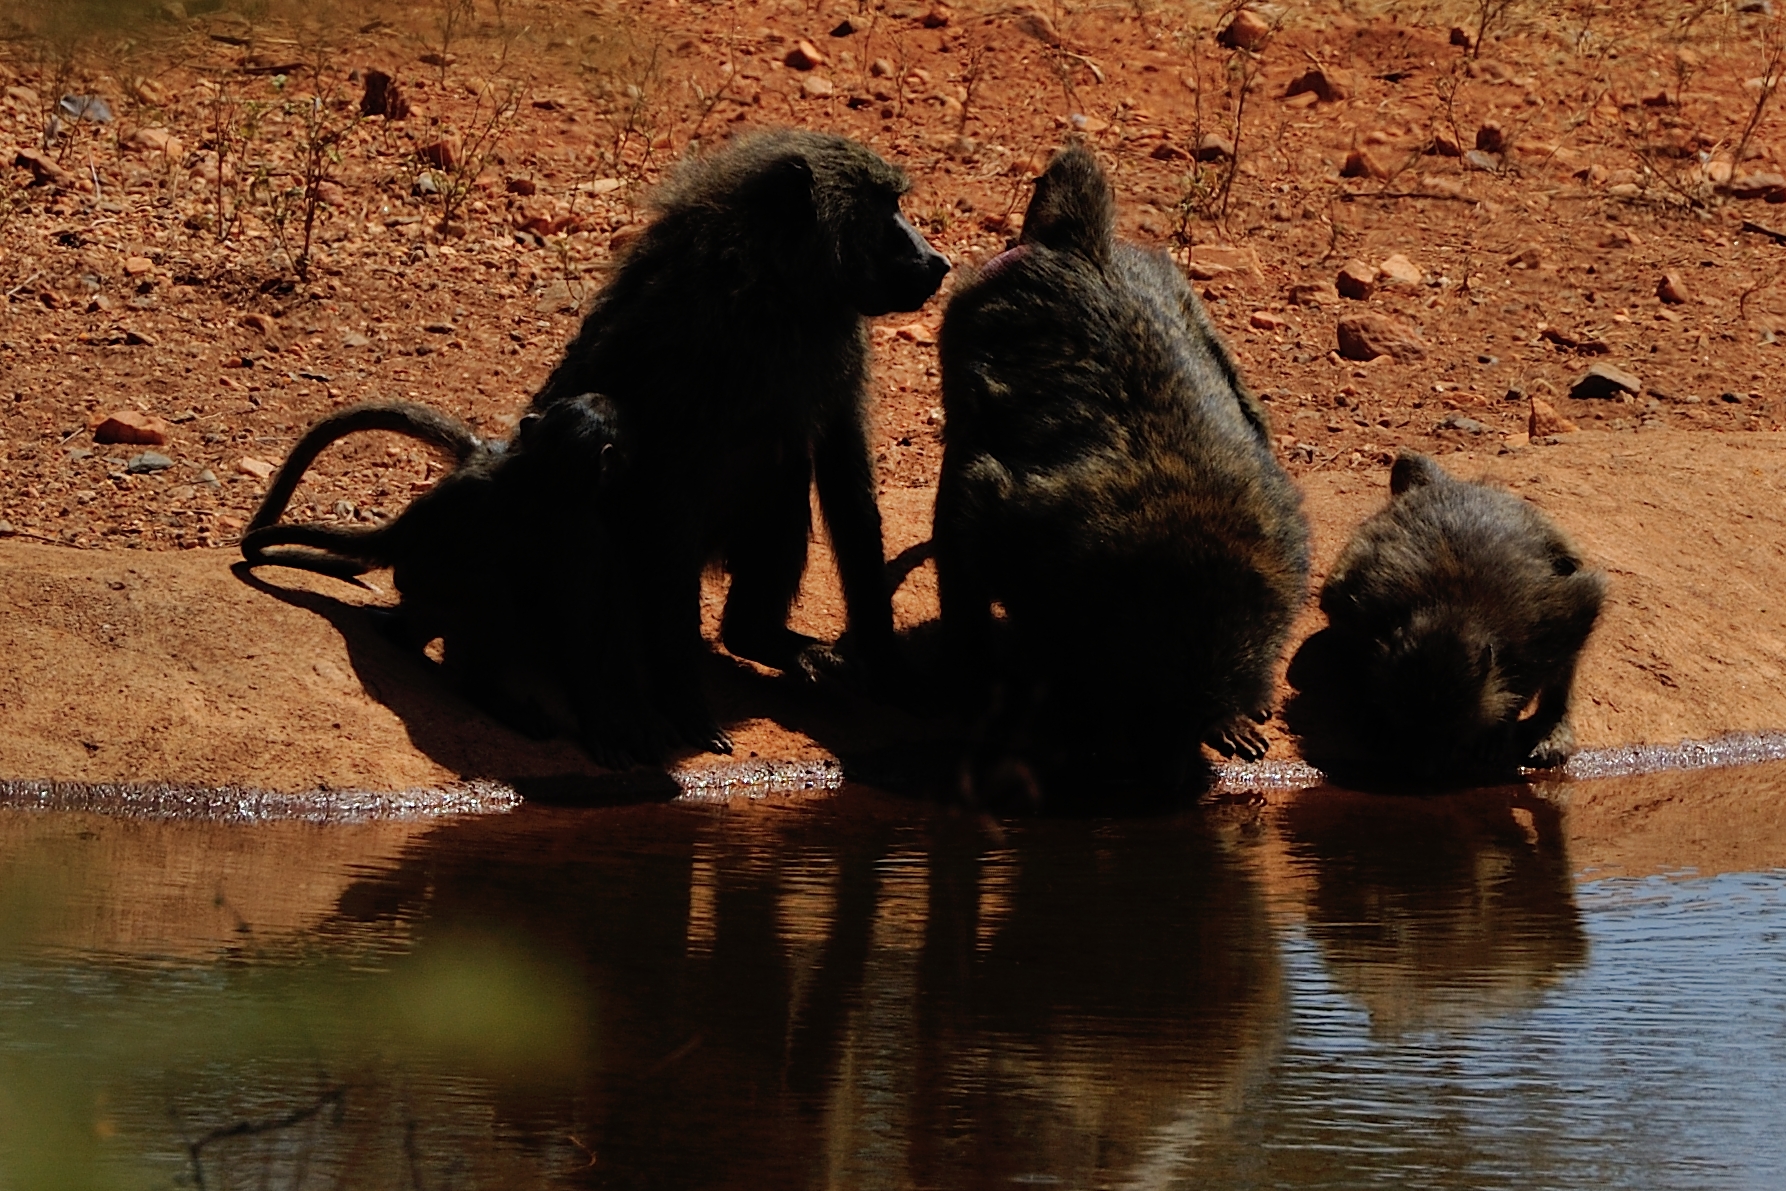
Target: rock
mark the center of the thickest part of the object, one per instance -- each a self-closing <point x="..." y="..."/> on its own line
<point x="147" y="92"/>
<point x="1491" y="138"/>
<point x="1317" y="82"/>
<point x="1444" y="144"/>
<point x="1356" y="280"/>
<point x="1602" y="381"/>
<point x="382" y="97"/>
<point x="1399" y="270"/>
<point x="937" y="18"/>
<point x="1529" y="257"/>
<point x="881" y="68"/>
<point x="158" y="141"/>
<point x="843" y="28"/>
<point x="1214" y="147"/>
<point x="1314" y="293"/>
<point x="438" y="328"/>
<point x="1247" y="31"/>
<point x="1482" y="160"/>
<point x="1545" y="420"/>
<point x="1672" y="289"/>
<point x="816" y="87"/>
<point x="525" y="187"/>
<point x="557" y="299"/>
<point x="136" y="266"/>
<point x="1033" y="22"/>
<point x="209" y="478"/>
<point x="1442" y="184"/>
<point x="1265" y="320"/>
<point x="1167" y="151"/>
<point x="1458" y="421"/>
<point x="256" y="321"/>
<point x="443" y="154"/>
<point x="1460" y="38"/>
<point x="139" y="339"/>
<point x="805" y="56"/>
<point x="1367" y="337"/>
<point x="23" y="99"/>
<point x="130" y="426"/>
<point x="1759" y="185"/>
<point x="248" y="465"/>
<point x="44" y="171"/>
<point x="354" y="339"/>
<point x="147" y="462"/>
<point x="1621" y="238"/>
<point x="6" y="529"/>
<point x="1210" y="261"/>
<point x="1362" y="163"/>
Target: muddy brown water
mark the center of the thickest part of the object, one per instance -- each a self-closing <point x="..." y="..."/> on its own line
<point x="1574" y="985"/>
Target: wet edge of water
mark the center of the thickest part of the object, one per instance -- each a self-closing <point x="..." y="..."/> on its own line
<point x="756" y="779"/>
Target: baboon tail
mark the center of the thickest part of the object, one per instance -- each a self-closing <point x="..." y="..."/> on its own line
<point x="1073" y="209"/>
<point x="400" y="417"/>
<point x="325" y="549"/>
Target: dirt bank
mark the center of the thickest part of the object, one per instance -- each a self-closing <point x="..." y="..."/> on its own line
<point x="144" y="665"/>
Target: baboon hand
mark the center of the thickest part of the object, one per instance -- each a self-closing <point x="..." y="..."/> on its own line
<point x="1237" y="737"/>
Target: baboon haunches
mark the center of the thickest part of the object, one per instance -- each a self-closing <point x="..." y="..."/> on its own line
<point x="1451" y="611"/>
<point x="1108" y="479"/>
<point x="732" y="339"/>
<point x="505" y="560"/>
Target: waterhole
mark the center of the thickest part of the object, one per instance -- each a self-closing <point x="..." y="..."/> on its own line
<point x="1575" y="985"/>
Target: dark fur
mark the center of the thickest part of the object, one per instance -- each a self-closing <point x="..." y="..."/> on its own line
<point x="1452" y="610"/>
<point x="505" y="560"/>
<point x="1108" y="478"/>
<point x="732" y="339"/>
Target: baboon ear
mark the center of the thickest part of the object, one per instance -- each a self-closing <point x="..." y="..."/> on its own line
<point x="1412" y="470"/>
<point x="787" y="185"/>
<point x="525" y="426"/>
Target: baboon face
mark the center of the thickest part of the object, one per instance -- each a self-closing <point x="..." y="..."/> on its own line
<point x="889" y="264"/>
<point x="1445" y="700"/>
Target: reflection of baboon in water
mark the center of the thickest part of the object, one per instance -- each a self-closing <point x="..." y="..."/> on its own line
<point x="504" y="560"/>
<point x="1452" y="610"/>
<point x="1108" y="479"/>
<point x="732" y="338"/>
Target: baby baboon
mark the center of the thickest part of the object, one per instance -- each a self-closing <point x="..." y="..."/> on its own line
<point x="1108" y="479"/>
<point x="505" y="560"/>
<point x="732" y="339"/>
<point x="1452" y="610"/>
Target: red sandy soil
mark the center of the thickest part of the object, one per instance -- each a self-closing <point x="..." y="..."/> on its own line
<point x="130" y="651"/>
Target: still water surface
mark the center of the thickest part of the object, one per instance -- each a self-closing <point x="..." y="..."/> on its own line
<point x="1498" y="989"/>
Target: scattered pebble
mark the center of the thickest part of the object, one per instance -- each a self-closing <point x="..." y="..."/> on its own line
<point x="1370" y="336"/>
<point x="1247" y="31"/>
<point x="805" y="56"/>
<point x="1356" y="280"/>
<point x="148" y="461"/>
<point x="1544" y="420"/>
<point x="1316" y="293"/>
<point x="131" y="426"/>
<point x="248" y="465"/>
<point x="1457" y="421"/>
<point x="1672" y="289"/>
<point x="1603" y="381"/>
<point x="1399" y="270"/>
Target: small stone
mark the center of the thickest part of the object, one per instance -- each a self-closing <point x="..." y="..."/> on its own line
<point x="1491" y="138"/>
<point x="139" y="339"/>
<point x="1356" y="280"/>
<point x="557" y="299"/>
<point x="1460" y="38"/>
<point x="1759" y="185"/>
<point x="1361" y="163"/>
<point x="843" y="28"/>
<point x="1731" y="398"/>
<point x="1399" y="270"/>
<point x="442" y="154"/>
<point x="44" y="170"/>
<point x="248" y="465"/>
<point x="937" y="18"/>
<point x="256" y="321"/>
<point x="1529" y="257"/>
<point x="1265" y="320"/>
<point x="1368" y="337"/>
<point x="136" y="266"/>
<point x="1314" y="293"/>
<point x="881" y="68"/>
<point x="1209" y="261"/>
<point x="1485" y="359"/>
<point x="147" y="462"/>
<point x="1214" y="147"/>
<point x="354" y="339"/>
<point x="158" y="141"/>
<point x="1247" y="31"/>
<point x="131" y="426"/>
<point x="1603" y="381"/>
<point x="1672" y="289"/>
<point x="1457" y="421"/>
<point x="1482" y="160"/>
<point x="525" y="187"/>
<point x="805" y="56"/>
<point x="6" y="529"/>
<point x="1317" y="82"/>
<point x="1167" y="151"/>
<point x="1444" y="144"/>
<point x="1034" y="23"/>
<point x="208" y="478"/>
<point x="438" y="328"/>
<point x="1544" y="420"/>
<point x="382" y="97"/>
<point x="815" y="87"/>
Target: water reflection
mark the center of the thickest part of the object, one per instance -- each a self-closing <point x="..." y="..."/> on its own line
<point x="861" y="992"/>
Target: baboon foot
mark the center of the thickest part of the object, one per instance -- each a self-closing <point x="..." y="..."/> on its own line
<point x="1554" y="749"/>
<point x="779" y="648"/>
<point x="1239" y="736"/>
<point x="399" y="629"/>
<point x="699" y="730"/>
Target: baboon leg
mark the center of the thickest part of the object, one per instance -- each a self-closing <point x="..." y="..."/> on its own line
<point x="964" y="588"/>
<point x="489" y="679"/>
<point x="766" y="555"/>
<point x="669" y="590"/>
<point x="1239" y="736"/>
<point x="843" y="465"/>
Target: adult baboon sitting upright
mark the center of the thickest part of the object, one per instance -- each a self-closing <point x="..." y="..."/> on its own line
<point x="732" y="340"/>
<point x="1108" y="480"/>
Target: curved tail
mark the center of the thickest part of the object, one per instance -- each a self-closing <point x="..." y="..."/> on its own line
<point x="325" y="549"/>
<point x="400" y="417"/>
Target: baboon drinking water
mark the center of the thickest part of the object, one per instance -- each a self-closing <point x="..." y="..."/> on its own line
<point x="1108" y="481"/>
<point x="732" y="339"/>
<point x="1457" y="614"/>
<point x="505" y="560"/>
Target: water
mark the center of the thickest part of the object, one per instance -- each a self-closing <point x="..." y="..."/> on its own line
<point x="1582" y="986"/>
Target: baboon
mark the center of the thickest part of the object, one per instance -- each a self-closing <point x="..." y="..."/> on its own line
<point x="1108" y="480"/>
<point x="505" y="560"/>
<point x="1457" y="614"/>
<point x="731" y="337"/>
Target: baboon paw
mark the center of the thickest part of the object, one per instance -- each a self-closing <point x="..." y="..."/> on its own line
<point x="1236" y="737"/>
<point x="1553" y="750"/>
<point x="779" y="649"/>
<point x="817" y="662"/>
